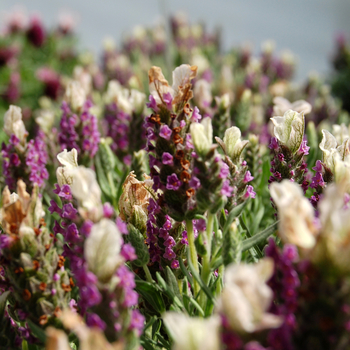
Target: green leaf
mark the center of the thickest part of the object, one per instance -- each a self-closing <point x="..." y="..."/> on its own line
<point x="195" y="304"/>
<point x="217" y="263"/>
<point x="172" y="282"/>
<point x="3" y="300"/>
<point x="199" y="280"/>
<point x="151" y="294"/>
<point x="168" y="290"/>
<point x="185" y="272"/>
<point x="37" y="331"/>
<point x="259" y="237"/>
<point x="233" y="214"/>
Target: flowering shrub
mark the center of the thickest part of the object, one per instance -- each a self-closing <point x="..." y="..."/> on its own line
<point x="206" y="213"/>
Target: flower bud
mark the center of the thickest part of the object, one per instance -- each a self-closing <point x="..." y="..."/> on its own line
<point x="86" y="190"/>
<point x="246" y="297"/>
<point x="200" y="134"/>
<point x="296" y="214"/>
<point x="282" y="105"/>
<point x="102" y="249"/>
<point x="137" y="100"/>
<point x="119" y="95"/>
<point x="289" y="129"/>
<point x="134" y="201"/>
<point x="193" y="333"/>
<point x="13" y="124"/>
<point x="75" y="95"/>
<point x="232" y="144"/>
<point x="69" y="160"/>
<point x="232" y="246"/>
<point x="138" y="242"/>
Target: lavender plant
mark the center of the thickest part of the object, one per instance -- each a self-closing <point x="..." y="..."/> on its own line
<point x="149" y="225"/>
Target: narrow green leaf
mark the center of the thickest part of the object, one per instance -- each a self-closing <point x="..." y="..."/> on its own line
<point x="199" y="280"/>
<point x="216" y="263"/>
<point x="185" y="272"/>
<point x="259" y="237"/>
<point x="37" y="331"/>
<point x="195" y="304"/>
<point x="3" y="300"/>
<point x="172" y="281"/>
<point x="151" y="294"/>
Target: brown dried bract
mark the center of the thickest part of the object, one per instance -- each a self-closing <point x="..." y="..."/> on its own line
<point x="135" y="192"/>
<point x="26" y="295"/>
<point x="177" y="139"/>
<point x="157" y="82"/>
<point x="43" y="320"/>
<point x="66" y="287"/>
<point x="185" y="164"/>
<point x="185" y="176"/>
<point x="190" y="192"/>
<point x="36" y="264"/>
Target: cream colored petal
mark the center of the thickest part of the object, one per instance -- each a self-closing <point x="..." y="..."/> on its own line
<point x="102" y="249"/>
<point x="68" y="159"/>
<point x="183" y="75"/>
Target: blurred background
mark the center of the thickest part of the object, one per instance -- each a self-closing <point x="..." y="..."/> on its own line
<point x="307" y="28"/>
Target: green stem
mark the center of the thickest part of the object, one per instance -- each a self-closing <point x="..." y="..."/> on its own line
<point x="148" y="274"/>
<point x="218" y="285"/>
<point x="113" y="189"/>
<point x="206" y="259"/>
<point x="193" y="253"/>
<point x="24" y="345"/>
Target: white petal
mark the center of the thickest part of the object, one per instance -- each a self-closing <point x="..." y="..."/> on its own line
<point x="102" y="249"/>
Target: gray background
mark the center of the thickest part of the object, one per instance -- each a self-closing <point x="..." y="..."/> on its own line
<point x="305" y="27"/>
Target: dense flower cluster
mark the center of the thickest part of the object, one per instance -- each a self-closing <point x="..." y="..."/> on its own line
<point x="128" y="224"/>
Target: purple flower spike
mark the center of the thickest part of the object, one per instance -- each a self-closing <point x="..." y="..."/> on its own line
<point x="69" y="212"/>
<point x="128" y="252"/>
<point x="165" y="132"/>
<point x="248" y="177"/>
<point x="173" y="183"/>
<point x="224" y="171"/>
<point x="65" y="192"/>
<point x="318" y="167"/>
<point x="93" y="320"/>
<point x="169" y="254"/>
<point x="54" y="208"/>
<point x="167" y="159"/>
<point x="195" y="182"/>
<point x="317" y="180"/>
<point x="304" y="148"/>
<point x="196" y="117"/>
<point x="175" y="264"/>
<point x="152" y="103"/>
<point x="226" y="189"/>
<point x="168" y="99"/>
<point x="250" y="192"/>
<point x="274" y="143"/>
<point x="137" y="321"/>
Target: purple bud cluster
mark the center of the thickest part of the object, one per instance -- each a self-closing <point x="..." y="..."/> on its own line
<point x="125" y="130"/>
<point x="169" y="149"/>
<point x="286" y="165"/>
<point x="117" y="126"/>
<point x="13" y="162"/>
<point x="238" y="178"/>
<point x="79" y="132"/>
<point x="29" y="165"/>
<point x="36" y="159"/>
<point x="160" y="241"/>
<point x="95" y="300"/>
<point x="322" y="176"/>
<point x="285" y="283"/>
